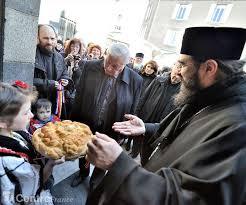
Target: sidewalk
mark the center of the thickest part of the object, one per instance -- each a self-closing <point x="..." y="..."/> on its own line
<point x="62" y="192"/>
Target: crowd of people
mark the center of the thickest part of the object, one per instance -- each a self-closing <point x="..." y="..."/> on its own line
<point x="187" y="124"/>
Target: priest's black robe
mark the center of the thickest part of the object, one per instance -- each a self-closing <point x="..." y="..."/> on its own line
<point x="197" y="156"/>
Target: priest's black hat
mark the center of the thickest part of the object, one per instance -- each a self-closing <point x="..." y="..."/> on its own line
<point x="141" y="55"/>
<point x="224" y="43"/>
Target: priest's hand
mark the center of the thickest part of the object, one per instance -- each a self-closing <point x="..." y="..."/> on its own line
<point x="103" y="151"/>
<point x="133" y="127"/>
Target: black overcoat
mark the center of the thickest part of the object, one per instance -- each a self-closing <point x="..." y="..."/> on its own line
<point x="128" y="88"/>
<point x="146" y="81"/>
<point x="157" y="101"/>
<point x="45" y="86"/>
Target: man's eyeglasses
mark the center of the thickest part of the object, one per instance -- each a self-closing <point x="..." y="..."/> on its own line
<point x="179" y="65"/>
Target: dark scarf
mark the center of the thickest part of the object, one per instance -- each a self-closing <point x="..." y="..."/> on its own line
<point x="14" y="148"/>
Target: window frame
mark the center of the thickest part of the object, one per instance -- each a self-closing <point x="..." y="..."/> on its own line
<point x="182" y="12"/>
<point x="219" y="13"/>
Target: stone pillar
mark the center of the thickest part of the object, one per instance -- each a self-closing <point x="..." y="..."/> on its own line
<point x="20" y="38"/>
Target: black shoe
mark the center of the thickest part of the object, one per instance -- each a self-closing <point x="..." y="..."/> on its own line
<point x="49" y="183"/>
<point x="128" y="146"/>
<point x="77" y="180"/>
<point x="121" y="141"/>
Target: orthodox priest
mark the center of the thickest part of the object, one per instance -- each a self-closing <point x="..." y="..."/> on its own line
<point x="197" y="154"/>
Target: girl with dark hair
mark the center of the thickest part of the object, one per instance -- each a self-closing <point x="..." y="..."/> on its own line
<point x="148" y="73"/>
<point x="22" y="173"/>
<point x="74" y="58"/>
<point x="74" y="53"/>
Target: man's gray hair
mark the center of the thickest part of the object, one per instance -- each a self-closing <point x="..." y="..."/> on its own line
<point x="119" y="50"/>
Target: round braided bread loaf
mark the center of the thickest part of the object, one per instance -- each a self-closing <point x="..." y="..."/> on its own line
<point x="59" y="139"/>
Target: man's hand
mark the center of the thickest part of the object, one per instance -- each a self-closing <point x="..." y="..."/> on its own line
<point x="103" y="151"/>
<point x="64" y="82"/>
<point x="56" y="84"/>
<point x="76" y="63"/>
<point x="133" y="127"/>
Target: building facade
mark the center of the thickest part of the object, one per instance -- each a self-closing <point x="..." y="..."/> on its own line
<point x="166" y="20"/>
<point x="66" y="28"/>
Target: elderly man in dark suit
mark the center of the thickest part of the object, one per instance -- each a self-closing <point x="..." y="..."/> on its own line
<point x="107" y="90"/>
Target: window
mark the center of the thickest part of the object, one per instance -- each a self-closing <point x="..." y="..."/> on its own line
<point x="181" y="12"/>
<point x="219" y="13"/>
<point x="173" y="38"/>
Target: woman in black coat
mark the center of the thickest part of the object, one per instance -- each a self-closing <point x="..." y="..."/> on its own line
<point x="73" y="56"/>
<point x="148" y="73"/>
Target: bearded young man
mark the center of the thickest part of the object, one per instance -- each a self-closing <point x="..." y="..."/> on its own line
<point x="50" y="68"/>
<point x="197" y="154"/>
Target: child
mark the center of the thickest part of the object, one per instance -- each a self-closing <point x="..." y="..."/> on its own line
<point x="21" y="173"/>
<point x="42" y="112"/>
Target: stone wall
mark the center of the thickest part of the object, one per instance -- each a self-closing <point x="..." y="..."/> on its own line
<point x="20" y="37"/>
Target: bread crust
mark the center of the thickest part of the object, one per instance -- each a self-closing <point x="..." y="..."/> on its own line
<point x="65" y="138"/>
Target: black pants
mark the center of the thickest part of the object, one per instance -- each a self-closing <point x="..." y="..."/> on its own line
<point x="96" y="177"/>
<point x="137" y="144"/>
<point x="84" y="167"/>
<point x="97" y="174"/>
<point x="49" y="183"/>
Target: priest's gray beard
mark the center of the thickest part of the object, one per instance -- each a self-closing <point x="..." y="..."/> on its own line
<point x="188" y="89"/>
